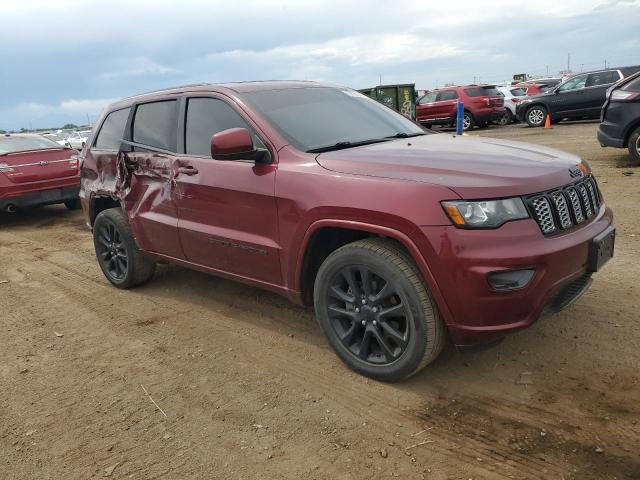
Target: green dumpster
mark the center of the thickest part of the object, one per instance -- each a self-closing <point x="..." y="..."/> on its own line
<point x="401" y="98"/>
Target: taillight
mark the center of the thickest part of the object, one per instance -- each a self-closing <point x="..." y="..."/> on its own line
<point x="74" y="162"/>
<point x="624" y="96"/>
<point x="515" y="100"/>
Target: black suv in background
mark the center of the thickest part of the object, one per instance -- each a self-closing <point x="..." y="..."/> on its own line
<point x="620" y="119"/>
<point x="581" y="96"/>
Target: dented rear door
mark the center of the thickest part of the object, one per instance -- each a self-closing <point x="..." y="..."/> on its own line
<point x="146" y="173"/>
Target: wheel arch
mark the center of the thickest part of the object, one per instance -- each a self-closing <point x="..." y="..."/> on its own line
<point x="310" y="259"/>
<point x="630" y="129"/>
<point x="99" y="203"/>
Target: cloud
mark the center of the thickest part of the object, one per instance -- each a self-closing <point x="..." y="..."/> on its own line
<point x="356" y="50"/>
<point x="137" y="67"/>
<point x="61" y="59"/>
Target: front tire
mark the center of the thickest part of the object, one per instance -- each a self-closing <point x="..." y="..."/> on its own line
<point x="634" y="146"/>
<point x="535" y="116"/>
<point x="376" y="312"/>
<point x="117" y="252"/>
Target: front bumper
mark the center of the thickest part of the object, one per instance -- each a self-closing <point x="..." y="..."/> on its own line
<point x="42" y="197"/>
<point x="461" y="259"/>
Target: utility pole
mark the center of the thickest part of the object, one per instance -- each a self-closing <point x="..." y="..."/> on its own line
<point x="380" y="78"/>
<point x="568" y="62"/>
<point x="605" y="64"/>
<point x="547" y="70"/>
<point x="581" y="65"/>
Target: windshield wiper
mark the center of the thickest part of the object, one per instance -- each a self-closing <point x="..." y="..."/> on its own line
<point x="406" y="135"/>
<point x="346" y="144"/>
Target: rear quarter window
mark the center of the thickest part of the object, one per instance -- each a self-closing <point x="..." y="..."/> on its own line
<point x="112" y="131"/>
<point x="482" y="92"/>
<point x="155" y="124"/>
<point x="633" y="85"/>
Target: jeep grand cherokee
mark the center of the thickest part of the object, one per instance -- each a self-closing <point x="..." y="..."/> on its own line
<point x="398" y="236"/>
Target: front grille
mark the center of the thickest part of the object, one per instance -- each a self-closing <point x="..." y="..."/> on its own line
<point x="565" y="207"/>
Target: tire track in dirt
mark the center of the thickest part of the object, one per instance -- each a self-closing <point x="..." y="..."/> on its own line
<point x="347" y="396"/>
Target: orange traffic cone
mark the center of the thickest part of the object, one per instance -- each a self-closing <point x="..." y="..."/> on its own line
<point x="547" y="122"/>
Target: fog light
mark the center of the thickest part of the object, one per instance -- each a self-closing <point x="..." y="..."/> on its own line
<point x="510" y="279"/>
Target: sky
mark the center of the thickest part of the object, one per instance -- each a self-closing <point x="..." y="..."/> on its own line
<point x="63" y="61"/>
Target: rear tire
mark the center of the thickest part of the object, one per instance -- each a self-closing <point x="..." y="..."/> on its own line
<point x="505" y="119"/>
<point x="375" y="310"/>
<point x="468" y="122"/>
<point x="634" y="146"/>
<point x="73" y="204"/>
<point x="535" y="116"/>
<point x="118" y="255"/>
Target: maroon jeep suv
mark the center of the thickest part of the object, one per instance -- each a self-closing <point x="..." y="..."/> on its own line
<point x="398" y="236"/>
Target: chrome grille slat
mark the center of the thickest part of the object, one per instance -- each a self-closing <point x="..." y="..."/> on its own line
<point x="562" y="208"/>
<point x="592" y="195"/>
<point x="575" y="204"/>
<point x="585" y="200"/>
<point x="544" y="216"/>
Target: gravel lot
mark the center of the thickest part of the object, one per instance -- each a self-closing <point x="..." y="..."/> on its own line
<point x="250" y="389"/>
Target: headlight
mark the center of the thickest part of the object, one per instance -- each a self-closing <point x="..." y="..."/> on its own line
<point x="485" y="213"/>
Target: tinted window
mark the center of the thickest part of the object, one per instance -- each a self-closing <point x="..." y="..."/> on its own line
<point x="633" y="85"/>
<point x="573" y="83"/>
<point x="448" y="95"/>
<point x="518" y="92"/>
<point x="482" y="92"/>
<point x="112" y="130"/>
<point x="428" y="98"/>
<point x="207" y="116"/>
<point x="155" y="124"/>
<point x="602" y="78"/>
<point x="9" y="144"/>
<point x="316" y="117"/>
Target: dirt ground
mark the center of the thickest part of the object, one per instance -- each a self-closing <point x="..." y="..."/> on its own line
<point x="245" y="387"/>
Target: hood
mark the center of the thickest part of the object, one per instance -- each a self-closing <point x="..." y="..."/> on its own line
<point x="474" y="168"/>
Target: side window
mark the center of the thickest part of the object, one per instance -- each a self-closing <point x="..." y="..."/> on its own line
<point x="155" y="124"/>
<point x="633" y="85"/>
<point x="206" y="117"/>
<point x="573" y="83"/>
<point x="602" y="78"/>
<point x="428" y="98"/>
<point x="448" y="95"/>
<point x="112" y="130"/>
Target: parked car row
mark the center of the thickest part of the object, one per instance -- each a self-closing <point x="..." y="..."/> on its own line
<point x="580" y="97"/>
<point x="72" y="139"/>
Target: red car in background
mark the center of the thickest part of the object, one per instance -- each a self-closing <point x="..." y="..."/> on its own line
<point x="37" y="171"/>
<point x="482" y="104"/>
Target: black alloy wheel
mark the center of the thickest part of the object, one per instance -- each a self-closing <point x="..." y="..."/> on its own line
<point x="112" y="252"/>
<point x="368" y="314"/>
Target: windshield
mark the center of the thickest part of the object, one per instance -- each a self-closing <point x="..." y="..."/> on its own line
<point x="317" y="117"/>
<point x="11" y="144"/>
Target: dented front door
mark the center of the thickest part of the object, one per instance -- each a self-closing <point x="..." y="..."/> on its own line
<point x="146" y="190"/>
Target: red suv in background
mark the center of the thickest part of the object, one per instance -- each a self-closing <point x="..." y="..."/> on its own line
<point x="482" y="104"/>
<point x="37" y="171"/>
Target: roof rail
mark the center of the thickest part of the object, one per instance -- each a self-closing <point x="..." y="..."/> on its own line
<point x="165" y="89"/>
